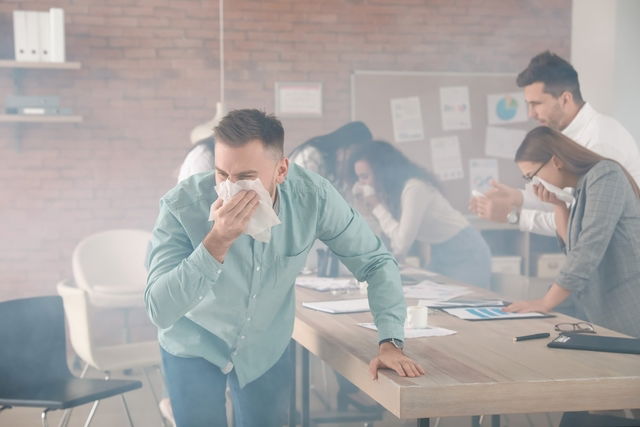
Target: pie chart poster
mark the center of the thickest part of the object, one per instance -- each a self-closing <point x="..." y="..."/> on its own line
<point x="506" y="108"/>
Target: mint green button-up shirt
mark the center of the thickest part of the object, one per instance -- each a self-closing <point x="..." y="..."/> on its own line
<point x="239" y="314"/>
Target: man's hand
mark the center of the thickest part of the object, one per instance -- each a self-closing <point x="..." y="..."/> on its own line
<point x="232" y="218"/>
<point x="391" y="357"/>
<point x="496" y="204"/>
<point x="528" y="306"/>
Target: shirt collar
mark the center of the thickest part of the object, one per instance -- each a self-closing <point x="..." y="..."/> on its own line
<point x="276" y="203"/>
<point x="580" y="121"/>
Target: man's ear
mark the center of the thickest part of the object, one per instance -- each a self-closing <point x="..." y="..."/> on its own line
<point x="566" y="98"/>
<point x="282" y="170"/>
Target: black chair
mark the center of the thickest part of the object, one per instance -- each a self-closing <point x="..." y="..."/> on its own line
<point x="33" y="363"/>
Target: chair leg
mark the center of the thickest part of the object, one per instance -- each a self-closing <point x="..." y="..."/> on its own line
<point x="126" y="409"/>
<point x="43" y="416"/>
<point x="155" y="396"/>
<point x="91" y="413"/>
<point x="95" y="404"/>
<point x="67" y="412"/>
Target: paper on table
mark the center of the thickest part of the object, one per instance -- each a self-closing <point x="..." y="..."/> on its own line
<point x="461" y="303"/>
<point x="323" y="284"/>
<point x="339" y="306"/>
<point x="412" y="275"/>
<point x="416" y="332"/>
<point x="488" y="313"/>
<point x="434" y="291"/>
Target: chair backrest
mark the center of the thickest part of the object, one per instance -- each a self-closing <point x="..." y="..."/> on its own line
<point x="32" y="342"/>
<point x="76" y="308"/>
<point x="114" y="258"/>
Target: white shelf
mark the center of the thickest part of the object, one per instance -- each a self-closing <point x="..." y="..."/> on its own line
<point x="23" y="118"/>
<point x="9" y="63"/>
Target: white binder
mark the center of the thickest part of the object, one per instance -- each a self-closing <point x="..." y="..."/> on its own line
<point x="33" y="36"/>
<point x="20" y="34"/>
<point x="56" y="35"/>
<point x="44" y="34"/>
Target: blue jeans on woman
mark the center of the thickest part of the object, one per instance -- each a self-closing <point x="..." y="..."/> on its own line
<point x="465" y="257"/>
<point x="197" y="392"/>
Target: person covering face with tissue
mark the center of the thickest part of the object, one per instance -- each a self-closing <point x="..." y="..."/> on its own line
<point x="407" y="203"/>
<point x="599" y="229"/>
<point x="553" y="96"/>
<point x="224" y="258"/>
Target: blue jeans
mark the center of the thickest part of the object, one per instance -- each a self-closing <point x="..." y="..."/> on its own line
<point x="197" y="392"/>
<point x="465" y="257"/>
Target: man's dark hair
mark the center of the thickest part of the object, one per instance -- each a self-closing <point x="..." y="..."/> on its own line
<point x="557" y="75"/>
<point x="241" y="126"/>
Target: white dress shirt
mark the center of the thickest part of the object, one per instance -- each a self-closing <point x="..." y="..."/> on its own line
<point x="599" y="133"/>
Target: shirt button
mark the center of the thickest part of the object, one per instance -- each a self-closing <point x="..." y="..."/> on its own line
<point x="242" y="337"/>
<point x="258" y="268"/>
<point x="248" y="319"/>
<point x="200" y="297"/>
<point x="235" y="353"/>
<point x="253" y="296"/>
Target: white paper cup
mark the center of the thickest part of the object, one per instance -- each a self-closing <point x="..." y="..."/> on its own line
<point x="417" y="317"/>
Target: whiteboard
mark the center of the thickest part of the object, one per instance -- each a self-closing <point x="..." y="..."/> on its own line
<point x="373" y="91"/>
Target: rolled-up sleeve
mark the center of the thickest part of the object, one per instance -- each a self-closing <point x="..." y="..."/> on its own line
<point x="602" y="211"/>
<point x="347" y="234"/>
<point x="179" y="275"/>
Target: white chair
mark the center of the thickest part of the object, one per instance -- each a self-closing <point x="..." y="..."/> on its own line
<point x="110" y="266"/>
<point x="106" y="359"/>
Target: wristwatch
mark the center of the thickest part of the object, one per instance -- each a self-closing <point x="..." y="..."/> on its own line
<point x="513" y="217"/>
<point x="399" y="344"/>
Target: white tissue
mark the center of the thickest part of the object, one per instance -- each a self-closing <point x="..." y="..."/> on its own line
<point x="561" y="194"/>
<point x="476" y="193"/>
<point x="263" y="218"/>
<point x="363" y="190"/>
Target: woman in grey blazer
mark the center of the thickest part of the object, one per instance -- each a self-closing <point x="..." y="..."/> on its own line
<point x="599" y="230"/>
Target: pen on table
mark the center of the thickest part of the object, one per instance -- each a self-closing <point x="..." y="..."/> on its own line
<point x="532" y="337"/>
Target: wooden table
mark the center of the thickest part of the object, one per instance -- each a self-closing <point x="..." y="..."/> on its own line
<point x="479" y="370"/>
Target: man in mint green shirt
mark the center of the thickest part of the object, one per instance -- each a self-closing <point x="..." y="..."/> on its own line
<point x="224" y="302"/>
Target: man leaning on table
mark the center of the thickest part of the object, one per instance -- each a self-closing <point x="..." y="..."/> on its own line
<point x="224" y="301"/>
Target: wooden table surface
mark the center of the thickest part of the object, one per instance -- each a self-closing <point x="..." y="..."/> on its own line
<point x="479" y="370"/>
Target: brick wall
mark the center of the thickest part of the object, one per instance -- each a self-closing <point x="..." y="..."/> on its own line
<point x="150" y="73"/>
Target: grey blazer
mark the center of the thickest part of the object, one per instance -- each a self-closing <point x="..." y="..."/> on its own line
<point x="602" y="269"/>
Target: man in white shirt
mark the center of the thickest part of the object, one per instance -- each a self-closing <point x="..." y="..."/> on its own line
<point x="552" y="92"/>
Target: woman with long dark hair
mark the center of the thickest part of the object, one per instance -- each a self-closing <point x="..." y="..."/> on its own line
<point x="600" y="230"/>
<point x="407" y="202"/>
<point x="327" y="155"/>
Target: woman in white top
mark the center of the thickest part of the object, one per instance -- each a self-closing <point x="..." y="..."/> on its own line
<point x="407" y="203"/>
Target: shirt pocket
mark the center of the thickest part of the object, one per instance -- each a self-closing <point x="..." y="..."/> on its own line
<point x="288" y="267"/>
